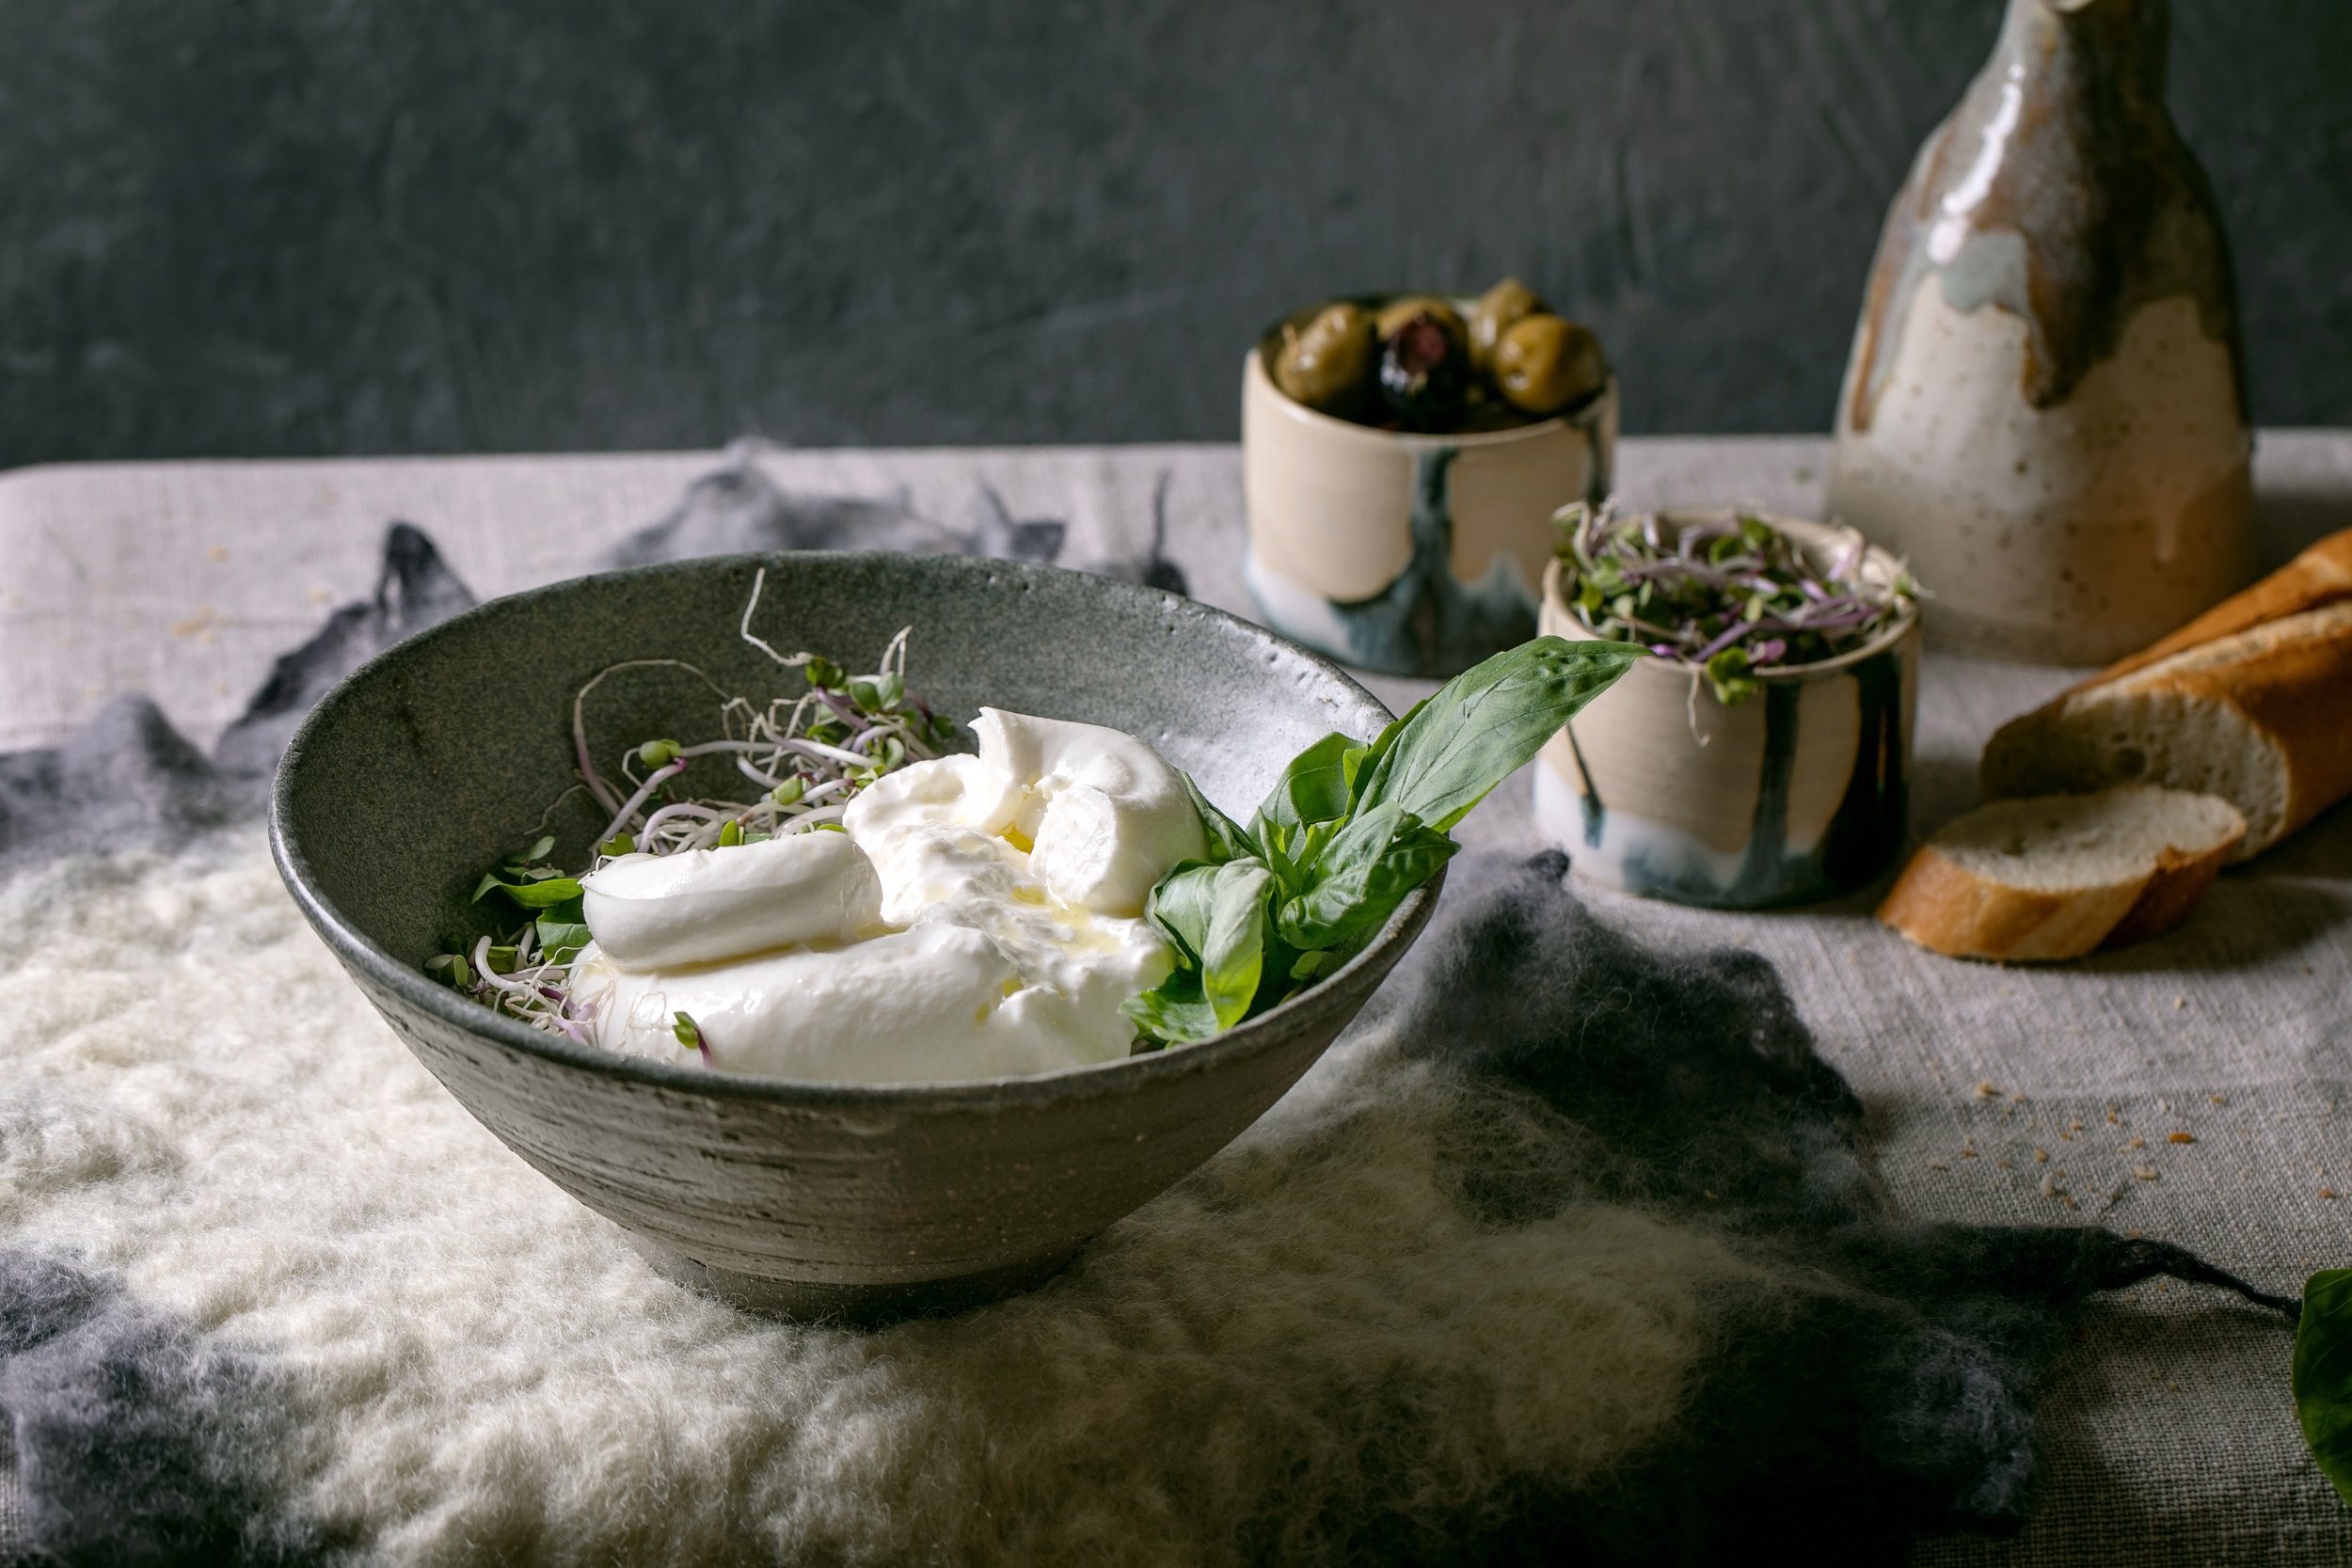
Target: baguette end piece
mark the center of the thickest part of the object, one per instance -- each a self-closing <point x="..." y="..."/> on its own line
<point x="2052" y="878"/>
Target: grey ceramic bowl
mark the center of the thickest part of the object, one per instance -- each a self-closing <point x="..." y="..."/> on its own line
<point x="811" y="1199"/>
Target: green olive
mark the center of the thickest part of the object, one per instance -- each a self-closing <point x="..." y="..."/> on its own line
<point x="1329" y="364"/>
<point x="1397" y="312"/>
<point x="1543" y="364"/>
<point x="1498" y="310"/>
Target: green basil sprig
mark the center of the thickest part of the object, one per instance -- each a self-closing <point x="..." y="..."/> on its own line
<point x="1349" y="829"/>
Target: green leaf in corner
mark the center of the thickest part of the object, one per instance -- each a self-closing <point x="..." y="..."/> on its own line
<point x="1446" y="754"/>
<point x="2322" y="1373"/>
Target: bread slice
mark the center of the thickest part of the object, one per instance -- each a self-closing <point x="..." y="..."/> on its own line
<point x="2262" y="717"/>
<point x="2060" y="876"/>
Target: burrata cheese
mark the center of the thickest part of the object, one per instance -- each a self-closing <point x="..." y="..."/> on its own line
<point x="977" y="917"/>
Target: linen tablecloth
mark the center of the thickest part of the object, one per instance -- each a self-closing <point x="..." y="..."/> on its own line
<point x="1998" y="1096"/>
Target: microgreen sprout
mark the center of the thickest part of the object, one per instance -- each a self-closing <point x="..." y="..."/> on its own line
<point x="805" y="754"/>
<point x="1730" y="596"/>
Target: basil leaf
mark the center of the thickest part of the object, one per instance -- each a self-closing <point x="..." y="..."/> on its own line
<point x="1364" y="874"/>
<point x="1293" y="860"/>
<point x="1314" y="788"/>
<point x="1174" y="1013"/>
<point x="1484" y="723"/>
<point x="1362" y="762"/>
<point x="1181" y="906"/>
<point x="2322" y="1373"/>
<point x="1228" y="839"/>
<point x="1233" y="960"/>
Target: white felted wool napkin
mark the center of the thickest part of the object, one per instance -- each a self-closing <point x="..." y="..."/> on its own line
<point x="267" y="1293"/>
<point x="450" y="1359"/>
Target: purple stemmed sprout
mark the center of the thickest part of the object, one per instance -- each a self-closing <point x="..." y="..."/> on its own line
<point x="1730" y="596"/>
<point x="807" y="754"/>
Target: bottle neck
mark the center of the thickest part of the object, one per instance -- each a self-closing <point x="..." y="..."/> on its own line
<point x="2122" y="42"/>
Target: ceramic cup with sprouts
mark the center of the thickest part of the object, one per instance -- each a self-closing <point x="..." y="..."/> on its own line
<point x="1732" y="770"/>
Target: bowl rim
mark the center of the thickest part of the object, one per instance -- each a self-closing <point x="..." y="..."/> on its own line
<point x="1255" y="376"/>
<point x="1556" y="605"/>
<point x="1100" y="1080"/>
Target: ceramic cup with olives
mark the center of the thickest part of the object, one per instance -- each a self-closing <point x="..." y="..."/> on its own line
<point x="1402" y="455"/>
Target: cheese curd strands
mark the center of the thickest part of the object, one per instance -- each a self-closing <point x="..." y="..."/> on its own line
<point x="979" y="916"/>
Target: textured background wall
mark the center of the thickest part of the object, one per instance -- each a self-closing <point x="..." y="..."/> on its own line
<point x="329" y="225"/>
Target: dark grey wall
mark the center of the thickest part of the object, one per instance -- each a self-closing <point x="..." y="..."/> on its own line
<point x="330" y="226"/>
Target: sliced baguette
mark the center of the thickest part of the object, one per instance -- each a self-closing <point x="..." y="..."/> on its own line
<point x="2060" y="876"/>
<point x="2321" y="576"/>
<point x="2262" y="717"/>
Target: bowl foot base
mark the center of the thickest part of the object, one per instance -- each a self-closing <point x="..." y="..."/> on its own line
<point x="861" y="1306"/>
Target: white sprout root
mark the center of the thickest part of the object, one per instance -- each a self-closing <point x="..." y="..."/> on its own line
<point x="808" y="756"/>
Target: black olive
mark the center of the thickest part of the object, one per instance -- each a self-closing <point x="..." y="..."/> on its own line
<point x="1398" y="311"/>
<point x="1328" y="364"/>
<point x="1424" y="374"/>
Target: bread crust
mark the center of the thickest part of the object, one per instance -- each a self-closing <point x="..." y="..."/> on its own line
<point x="1946" y="909"/>
<point x="1954" y="911"/>
<point x="2291" y="680"/>
<point x="2170" y="896"/>
<point x="2278" y="654"/>
<point x="2322" y="575"/>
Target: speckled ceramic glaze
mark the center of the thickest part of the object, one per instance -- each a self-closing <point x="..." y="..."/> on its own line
<point x="1799" y="792"/>
<point x="1412" y="555"/>
<point x="812" y="1199"/>
<point x="2043" y="411"/>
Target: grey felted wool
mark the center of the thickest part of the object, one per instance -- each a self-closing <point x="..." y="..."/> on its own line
<point x="1569" y="1252"/>
<point x="140" y="1442"/>
<point x="1898" y="1376"/>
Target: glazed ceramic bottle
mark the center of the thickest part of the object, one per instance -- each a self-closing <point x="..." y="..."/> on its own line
<point x="2045" y="409"/>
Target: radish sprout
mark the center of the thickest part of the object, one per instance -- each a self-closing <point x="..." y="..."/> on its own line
<point x="808" y="754"/>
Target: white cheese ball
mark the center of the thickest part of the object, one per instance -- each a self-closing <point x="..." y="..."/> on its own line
<point x="704" y="905"/>
<point x="1105" y="818"/>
